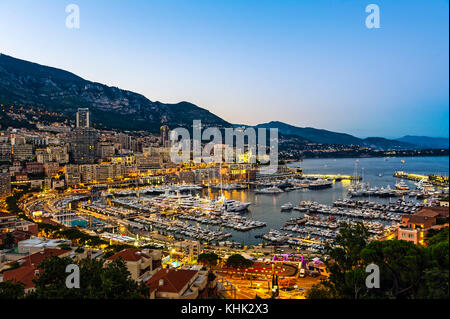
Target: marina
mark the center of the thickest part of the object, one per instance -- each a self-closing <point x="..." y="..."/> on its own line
<point x="282" y="210"/>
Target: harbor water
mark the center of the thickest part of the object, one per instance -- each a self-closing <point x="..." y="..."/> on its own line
<point x="377" y="172"/>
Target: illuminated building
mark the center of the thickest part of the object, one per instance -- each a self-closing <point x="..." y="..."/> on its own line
<point x="83" y="118"/>
<point x="415" y="227"/>
<point x="23" y="152"/>
<point x="164" y="136"/>
<point x="5" y="152"/>
<point x="5" y="182"/>
<point x="83" y="144"/>
<point x="141" y="263"/>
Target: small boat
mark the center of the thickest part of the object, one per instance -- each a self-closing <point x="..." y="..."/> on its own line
<point x="401" y="186"/>
<point x="287" y="206"/>
<point x="269" y="190"/>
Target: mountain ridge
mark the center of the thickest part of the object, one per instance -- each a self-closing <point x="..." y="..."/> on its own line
<point x="28" y="83"/>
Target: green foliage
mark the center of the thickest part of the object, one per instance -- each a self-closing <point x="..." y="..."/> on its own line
<point x="208" y="259"/>
<point x="8" y="240"/>
<point x="406" y="270"/>
<point x="238" y="261"/>
<point x="319" y="291"/>
<point x="98" y="280"/>
<point x="435" y="237"/>
<point x="11" y="290"/>
<point x="345" y="252"/>
<point x="401" y="266"/>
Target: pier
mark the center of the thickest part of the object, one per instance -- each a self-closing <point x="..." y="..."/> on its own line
<point x="436" y="180"/>
<point x="333" y="177"/>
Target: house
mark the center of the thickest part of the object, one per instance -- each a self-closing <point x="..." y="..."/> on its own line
<point x="177" y="284"/>
<point x="141" y="263"/>
<point x="415" y="227"/>
<point x="28" y="267"/>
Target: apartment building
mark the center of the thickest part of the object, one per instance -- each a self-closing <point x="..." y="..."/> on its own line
<point x="141" y="263"/>
<point x="415" y="227"/>
<point x="178" y="284"/>
<point x="5" y="182"/>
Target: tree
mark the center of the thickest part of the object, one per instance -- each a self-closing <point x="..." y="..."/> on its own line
<point x="347" y="278"/>
<point x="434" y="284"/>
<point x="238" y="261"/>
<point x="11" y="290"/>
<point x="116" y="283"/>
<point x="209" y="259"/>
<point x="8" y="240"/>
<point x="319" y="291"/>
<point x="51" y="282"/>
<point x="98" y="280"/>
<point x="401" y="264"/>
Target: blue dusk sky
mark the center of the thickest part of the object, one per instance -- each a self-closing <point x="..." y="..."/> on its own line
<point x="307" y="63"/>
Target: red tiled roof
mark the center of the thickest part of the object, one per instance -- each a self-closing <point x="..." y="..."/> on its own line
<point x="24" y="274"/>
<point x="172" y="280"/>
<point x="436" y="211"/>
<point x="419" y="219"/>
<point x="129" y="254"/>
<point x="36" y="258"/>
<point x="426" y="214"/>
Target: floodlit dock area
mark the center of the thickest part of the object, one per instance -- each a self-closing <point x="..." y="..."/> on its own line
<point x="436" y="180"/>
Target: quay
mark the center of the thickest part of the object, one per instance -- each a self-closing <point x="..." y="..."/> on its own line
<point x="336" y="177"/>
<point x="436" y="180"/>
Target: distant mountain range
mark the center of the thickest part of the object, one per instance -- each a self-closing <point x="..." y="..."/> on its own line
<point x="425" y="141"/>
<point x="29" y="84"/>
<point x="329" y="137"/>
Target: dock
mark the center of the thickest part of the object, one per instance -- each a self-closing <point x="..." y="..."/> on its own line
<point x="436" y="180"/>
<point x="336" y="177"/>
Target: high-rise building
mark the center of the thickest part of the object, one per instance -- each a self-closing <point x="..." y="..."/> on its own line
<point x="164" y="139"/>
<point x="23" y="152"/>
<point x="83" y="145"/>
<point x="5" y="181"/>
<point x="5" y="152"/>
<point x="83" y="118"/>
<point x="124" y="140"/>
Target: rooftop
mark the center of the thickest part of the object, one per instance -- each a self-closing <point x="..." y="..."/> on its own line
<point x="130" y="254"/>
<point x="170" y="280"/>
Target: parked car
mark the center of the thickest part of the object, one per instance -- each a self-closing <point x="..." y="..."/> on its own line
<point x="302" y="273"/>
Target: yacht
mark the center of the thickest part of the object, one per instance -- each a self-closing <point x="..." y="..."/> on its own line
<point x="320" y="184"/>
<point x="402" y="186"/>
<point x="269" y="190"/>
<point x="423" y="184"/>
<point x="230" y="205"/>
<point x="287" y="206"/>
